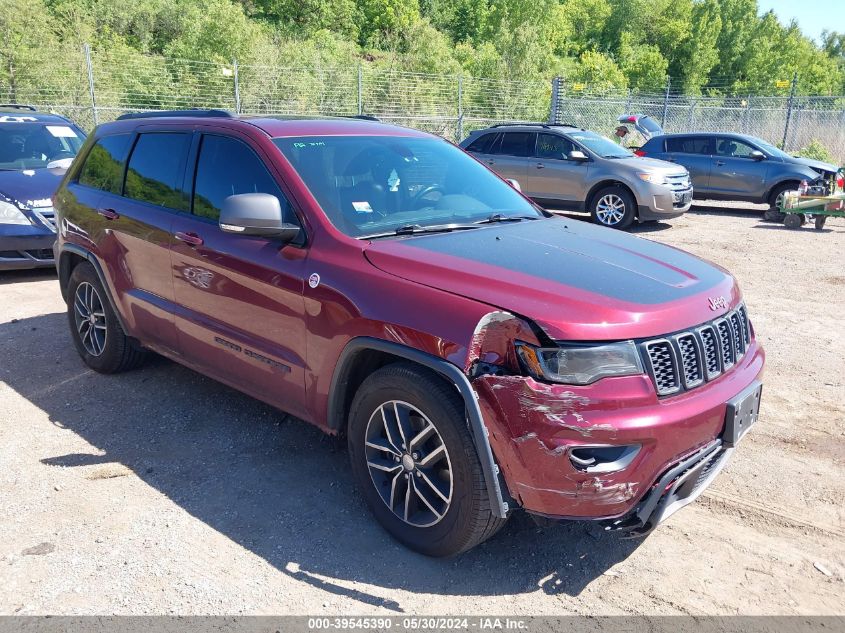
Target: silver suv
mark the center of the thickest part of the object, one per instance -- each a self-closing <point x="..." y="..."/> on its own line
<point x="561" y="166"/>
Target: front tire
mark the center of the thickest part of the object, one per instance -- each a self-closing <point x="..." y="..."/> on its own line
<point x="94" y="328"/>
<point x="776" y="197"/>
<point x="613" y="207"/>
<point x="415" y="463"/>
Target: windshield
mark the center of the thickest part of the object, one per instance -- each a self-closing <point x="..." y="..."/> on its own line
<point x="36" y="145"/>
<point x="770" y="149"/>
<point x="371" y="185"/>
<point x="600" y="145"/>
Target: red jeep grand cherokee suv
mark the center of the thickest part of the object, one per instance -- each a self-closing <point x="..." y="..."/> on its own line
<point x="479" y="354"/>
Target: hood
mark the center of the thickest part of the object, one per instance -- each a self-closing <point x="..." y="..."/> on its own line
<point x="818" y="165"/>
<point x="31" y="187"/>
<point x="575" y="280"/>
<point x="642" y="163"/>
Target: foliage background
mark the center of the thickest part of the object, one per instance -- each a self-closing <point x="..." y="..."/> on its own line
<point x="709" y="47"/>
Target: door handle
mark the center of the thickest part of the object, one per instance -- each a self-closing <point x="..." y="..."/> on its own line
<point x="109" y="214"/>
<point x="491" y="162"/>
<point x="540" y="166"/>
<point x="720" y="163"/>
<point x="191" y="239"/>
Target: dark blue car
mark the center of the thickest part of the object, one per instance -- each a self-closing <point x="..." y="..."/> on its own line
<point x="35" y="151"/>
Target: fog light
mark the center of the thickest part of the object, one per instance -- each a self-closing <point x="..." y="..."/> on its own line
<point x="602" y="459"/>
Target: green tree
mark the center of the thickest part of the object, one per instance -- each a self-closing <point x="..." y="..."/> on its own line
<point x="698" y="53"/>
<point x="309" y="16"/>
<point x="599" y="72"/>
<point x="383" y="22"/>
<point x="644" y="65"/>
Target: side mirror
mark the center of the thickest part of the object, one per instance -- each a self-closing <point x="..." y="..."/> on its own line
<point x="256" y="214"/>
<point x="513" y="183"/>
<point x="578" y="155"/>
<point x="757" y="155"/>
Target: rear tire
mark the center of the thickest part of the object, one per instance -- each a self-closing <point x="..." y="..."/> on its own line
<point x="613" y="207"/>
<point x="94" y="328"/>
<point x="428" y="493"/>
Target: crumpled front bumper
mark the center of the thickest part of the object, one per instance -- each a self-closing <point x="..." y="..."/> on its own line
<point x="534" y="426"/>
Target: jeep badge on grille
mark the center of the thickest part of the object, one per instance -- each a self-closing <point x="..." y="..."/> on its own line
<point x="718" y="303"/>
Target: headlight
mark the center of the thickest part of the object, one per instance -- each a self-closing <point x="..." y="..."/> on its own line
<point x="10" y="214"/>
<point x="655" y="179"/>
<point x="581" y="364"/>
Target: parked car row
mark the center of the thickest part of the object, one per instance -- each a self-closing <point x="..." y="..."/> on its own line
<point x="557" y="166"/>
<point x="480" y="354"/>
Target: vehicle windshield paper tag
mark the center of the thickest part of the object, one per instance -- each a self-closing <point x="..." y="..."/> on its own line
<point x="60" y="131"/>
<point x="362" y="207"/>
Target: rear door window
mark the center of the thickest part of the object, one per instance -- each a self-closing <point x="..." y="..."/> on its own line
<point x="689" y="145"/>
<point x="227" y="167"/>
<point x="517" y="144"/>
<point x="103" y="168"/>
<point x="156" y="169"/>
<point x="482" y="144"/>
<point x="553" y="146"/>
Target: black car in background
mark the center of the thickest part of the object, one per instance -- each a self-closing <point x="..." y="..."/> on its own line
<point x="36" y="149"/>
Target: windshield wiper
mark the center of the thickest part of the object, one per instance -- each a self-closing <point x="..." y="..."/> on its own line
<point x="501" y="217"/>
<point x="417" y="229"/>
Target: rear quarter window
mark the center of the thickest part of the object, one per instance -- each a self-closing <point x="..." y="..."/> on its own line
<point x="103" y="167"/>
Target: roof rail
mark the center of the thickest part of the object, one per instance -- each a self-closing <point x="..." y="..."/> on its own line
<point x="363" y="117"/>
<point x="517" y="124"/>
<point x="544" y="125"/>
<point x="17" y="106"/>
<point x="197" y="113"/>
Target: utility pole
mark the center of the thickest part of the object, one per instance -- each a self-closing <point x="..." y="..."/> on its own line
<point x="666" y="102"/>
<point x="237" y="86"/>
<point x="360" y="90"/>
<point x="90" y="68"/>
<point x="460" y="108"/>
<point x="554" y="111"/>
<point x="789" y="105"/>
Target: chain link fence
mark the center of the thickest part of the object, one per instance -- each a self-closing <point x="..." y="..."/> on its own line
<point x="91" y="87"/>
<point x="792" y="122"/>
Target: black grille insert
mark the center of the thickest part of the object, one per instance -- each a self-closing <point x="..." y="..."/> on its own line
<point x="687" y="359"/>
<point x="664" y="366"/>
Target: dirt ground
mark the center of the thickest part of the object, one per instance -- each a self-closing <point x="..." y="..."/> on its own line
<point x="161" y="491"/>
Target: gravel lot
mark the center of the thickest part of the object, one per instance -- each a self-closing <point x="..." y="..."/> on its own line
<point x="161" y="491"/>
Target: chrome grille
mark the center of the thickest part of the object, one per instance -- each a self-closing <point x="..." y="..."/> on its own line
<point x="686" y="360"/>
<point x="725" y="343"/>
<point x="738" y="336"/>
<point x="746" y="331"/>
<point x="692" y="371"/>
<point x="678" y="182"/>
<point x="663" y="366"/>
<point x="710" y="345"/>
